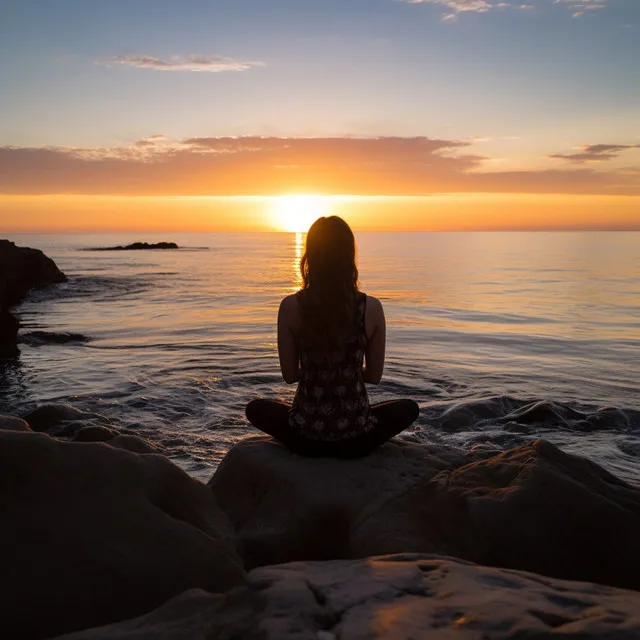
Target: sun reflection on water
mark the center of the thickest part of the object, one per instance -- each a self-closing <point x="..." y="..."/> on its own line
<point x="298" y="250"/>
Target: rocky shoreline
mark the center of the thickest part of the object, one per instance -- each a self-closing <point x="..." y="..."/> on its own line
<point x="410" y="541"/>
<point x="21" y="269"/>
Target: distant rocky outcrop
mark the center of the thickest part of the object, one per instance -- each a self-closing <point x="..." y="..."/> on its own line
<point x="139" y="246"/>
<point x="401" y="597"/>
<point x="533" y="508"/>
<point x="21" y="269"/>
<point x="93" y="534"/>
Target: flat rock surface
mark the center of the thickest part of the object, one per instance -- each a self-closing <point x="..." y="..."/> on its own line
<point x="94" y="534"/>
<point x="533" y="508"/>
<point x="400" y="597"/>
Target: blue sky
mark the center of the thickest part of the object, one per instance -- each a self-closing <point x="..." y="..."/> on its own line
<point x="518" y="83"/>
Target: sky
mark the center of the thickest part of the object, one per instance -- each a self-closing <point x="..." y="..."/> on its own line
<point x="440" y="113"/>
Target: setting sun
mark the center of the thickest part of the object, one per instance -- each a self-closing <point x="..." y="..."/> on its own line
<point x="297" y="213"/>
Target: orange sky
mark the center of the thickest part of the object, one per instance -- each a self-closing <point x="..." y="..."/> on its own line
<point x="61" y="213"/>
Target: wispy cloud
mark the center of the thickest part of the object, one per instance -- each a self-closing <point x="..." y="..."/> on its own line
<point x="255" y="165"/>
<point x="595" y="153"/>
<point x="212" y="64"/>
<point x="455" y="7"/>
<point x="579" y="7"/>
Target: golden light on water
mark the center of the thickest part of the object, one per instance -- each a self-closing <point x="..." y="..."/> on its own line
<point x="298" y="212"/>
<point x="298" y="250"/>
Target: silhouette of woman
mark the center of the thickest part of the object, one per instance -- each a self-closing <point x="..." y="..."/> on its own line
<point x="331" y="341"/>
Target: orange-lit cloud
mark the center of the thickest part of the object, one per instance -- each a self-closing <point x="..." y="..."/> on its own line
<point x="213" y="64"/>
<point x="595" y="152"/>
<point x="269" y="166"/>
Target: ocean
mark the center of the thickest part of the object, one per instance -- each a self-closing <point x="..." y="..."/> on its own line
<point x="500" y="337"/>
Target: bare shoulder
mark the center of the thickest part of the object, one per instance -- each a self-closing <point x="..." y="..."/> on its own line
<point x="289" y="302"/>
<point x="289" y="310"/>
<point x="373" y="304"/>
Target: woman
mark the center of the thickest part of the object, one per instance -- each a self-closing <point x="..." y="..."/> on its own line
<point x="331" y="340"/>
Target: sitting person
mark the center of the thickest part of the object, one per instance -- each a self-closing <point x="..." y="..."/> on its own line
<point x="331" y="341"/>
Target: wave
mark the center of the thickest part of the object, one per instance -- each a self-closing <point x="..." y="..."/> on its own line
<point x="504" y="412"/>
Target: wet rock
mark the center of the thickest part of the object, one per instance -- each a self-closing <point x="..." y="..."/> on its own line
<point x="94" y="433"/>
<point x="132" y="443"/>
<point x="99" y="534"/>
<point x="401" y="597"/>
<point x="543" y="411"/>
<point x="533" y="508"/>
<point x="13" y="423"/>
<point x="9" y="327"/>
<point x="470" y="412"/>
<point x="61" y="419"/>
<point x="37" y="338"/>
<point x="21" y="269"/>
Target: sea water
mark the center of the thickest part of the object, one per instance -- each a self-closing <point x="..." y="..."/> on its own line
<point x="500" y="337"/>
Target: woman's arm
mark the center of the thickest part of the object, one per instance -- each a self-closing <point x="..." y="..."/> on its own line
<point x="376" y="328"/>
<point x="287" y="345"/>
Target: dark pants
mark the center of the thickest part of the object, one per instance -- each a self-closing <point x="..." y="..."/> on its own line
<point x="272" y="418"/>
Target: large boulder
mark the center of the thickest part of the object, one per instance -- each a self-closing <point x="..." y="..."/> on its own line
<point x="400" y="597"/>
<point x="533" y="508"/>
<point x="21" y="269"/>
<point x="94" y="534"/>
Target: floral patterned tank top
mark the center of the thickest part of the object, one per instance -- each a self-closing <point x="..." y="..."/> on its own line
<point x="331" y="401"/>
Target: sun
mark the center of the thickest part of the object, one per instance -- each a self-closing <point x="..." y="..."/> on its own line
<point x="297" y="213"/>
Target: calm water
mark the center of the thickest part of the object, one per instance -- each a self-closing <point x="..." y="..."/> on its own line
<point x="480" y="325"/>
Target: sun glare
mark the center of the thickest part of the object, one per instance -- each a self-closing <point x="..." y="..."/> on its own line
<point x="298" y="213"/>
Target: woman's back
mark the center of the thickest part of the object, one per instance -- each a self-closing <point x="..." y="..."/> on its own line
<point x="331" y="340"/>
<point x="331" y="401"/>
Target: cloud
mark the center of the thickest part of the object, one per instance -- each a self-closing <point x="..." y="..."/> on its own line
<point x="454" y="7"/>
<point x="212" y="64"/>
<point x="457" y="5"/>
<point x="269" y="166"/>
<point x="595" y="153"/>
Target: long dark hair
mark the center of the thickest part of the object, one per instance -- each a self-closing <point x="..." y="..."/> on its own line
<point x="328" y="297"/>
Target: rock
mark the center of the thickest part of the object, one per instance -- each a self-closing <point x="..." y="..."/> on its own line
<point x="38" y="338"/>
<point x="93" y="534"/>
<point x="401" y="597"/>
<point x="53" y="418"/>
<point x="533" y="508"/>
<point x="139" y="246"/>
<point x="9" y="327"/>
<point x="13" y="423"/>
<point x="132" y="443"/>
<point x="279" y="501"/>
<point x="94" y="433"/>
<point x="21" y="269"/>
